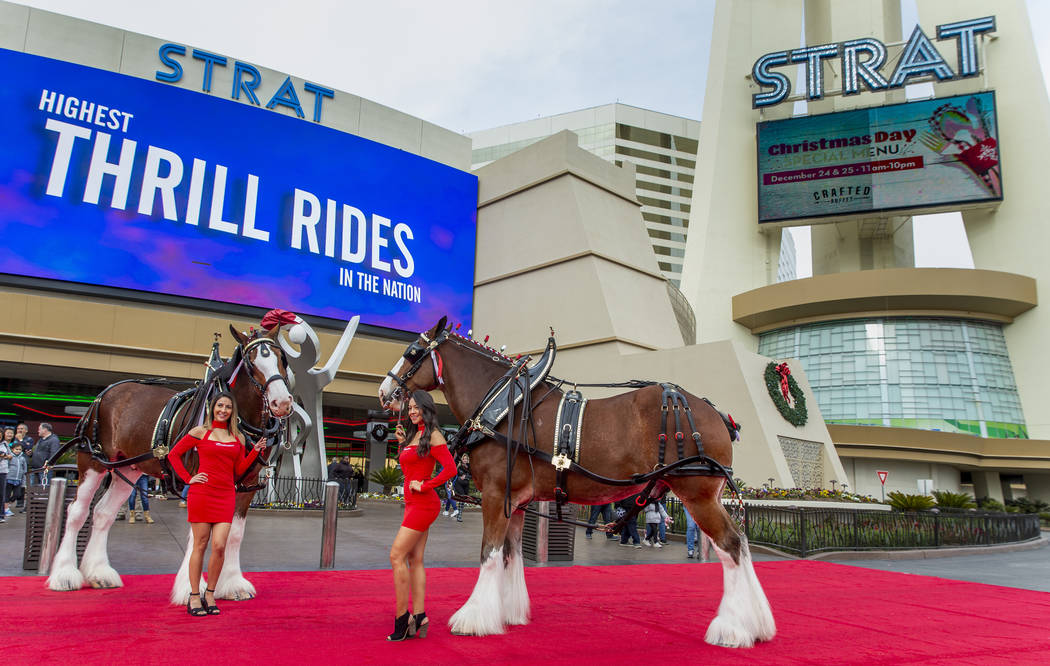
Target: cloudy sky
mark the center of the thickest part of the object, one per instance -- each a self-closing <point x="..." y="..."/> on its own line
<point x="473" y="64"/>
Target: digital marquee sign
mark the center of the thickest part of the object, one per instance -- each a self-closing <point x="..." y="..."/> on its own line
<point x="917" y="155"/>
<point x="117" y="181"/>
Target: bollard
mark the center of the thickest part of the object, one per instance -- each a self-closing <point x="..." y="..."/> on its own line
<point x="331" y="513"/>
<point x="542" y="532"/>
<point x="56" y="499"/>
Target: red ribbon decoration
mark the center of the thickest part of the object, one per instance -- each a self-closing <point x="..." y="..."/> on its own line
<point x="784" y="371"/>
<point x="278" y="317"/>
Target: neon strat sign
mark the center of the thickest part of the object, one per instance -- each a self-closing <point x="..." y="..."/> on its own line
<point x="862" y="59"/>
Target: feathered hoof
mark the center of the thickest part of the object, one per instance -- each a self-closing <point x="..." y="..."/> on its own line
<point x="104" y="580"/>
<point x="237" y="589"/>
<point x="470" y="624"/>
<point x="725" y="633"/>
<point x="67" y="580"/>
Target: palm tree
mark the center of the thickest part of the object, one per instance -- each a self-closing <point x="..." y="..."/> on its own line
<point x="388" y="477"/>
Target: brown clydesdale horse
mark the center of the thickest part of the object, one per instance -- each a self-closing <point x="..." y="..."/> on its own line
<point x="619" y="440"/>
<point x="126" y="416"/>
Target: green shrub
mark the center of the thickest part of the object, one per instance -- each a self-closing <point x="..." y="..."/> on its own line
<point x="1026" y="505"/>
<point x="989" y="504"/>
<point x="901" y="502"/>
<point x="1044" y="516"/>
<point x="950" y="500"/>
<point x="388" y="477"/>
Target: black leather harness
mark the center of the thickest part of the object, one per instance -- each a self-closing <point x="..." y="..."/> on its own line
<point x="218" y="378"/>
<point x="514" y="389"/>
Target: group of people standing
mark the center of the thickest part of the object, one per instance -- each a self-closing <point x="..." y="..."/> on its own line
<point x="656" y="522"/>
<point x="351" y="479"/>
<point x="19" y="454"/>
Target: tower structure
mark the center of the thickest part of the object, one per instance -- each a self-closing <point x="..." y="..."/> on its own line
<point x="884" y="343"/>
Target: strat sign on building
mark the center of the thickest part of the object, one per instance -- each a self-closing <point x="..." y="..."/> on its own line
<point x="122" y="182"/>
<point x="925" y="156"/>
<point x="862" y="62"/>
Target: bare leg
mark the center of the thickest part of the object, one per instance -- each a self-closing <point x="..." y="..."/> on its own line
<point x="404" y="543"/>
<point x="418" y="575"/>
<point x="201" y="535"/>
<point x="232" y="584"/>
<point x="219" y="534"/>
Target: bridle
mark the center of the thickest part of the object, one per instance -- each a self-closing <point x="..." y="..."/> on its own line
<point x="272" y="424"/>
<point x="266" y="347"/>
<point x="417" y="353"/>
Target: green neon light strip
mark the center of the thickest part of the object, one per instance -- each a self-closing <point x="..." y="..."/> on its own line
<point x="51" y="397"/>
<point x="8" y="414"/>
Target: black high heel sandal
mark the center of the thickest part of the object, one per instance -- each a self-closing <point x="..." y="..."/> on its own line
<point x="401" y="628"/>
<point x="199" y="611"/>
<point x="420" y="625"/>
<point x="211" y="609"/>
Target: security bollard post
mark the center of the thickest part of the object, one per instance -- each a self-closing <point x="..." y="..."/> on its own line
<point x="331" y="514"/>
<point x="56" y="500"/>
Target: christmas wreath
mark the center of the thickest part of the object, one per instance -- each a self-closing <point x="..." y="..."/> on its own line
<point x="781" y="385"/>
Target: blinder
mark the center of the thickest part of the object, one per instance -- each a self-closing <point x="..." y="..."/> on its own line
<point x="266" y="347"/>
<point x="416" y="353"/>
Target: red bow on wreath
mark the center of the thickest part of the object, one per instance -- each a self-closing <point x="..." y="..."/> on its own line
<point x="784" y="371"/>
<point x="278" y="318"/>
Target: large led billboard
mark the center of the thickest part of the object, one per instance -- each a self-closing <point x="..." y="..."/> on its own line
<point x="917" y="156"/>
<point x="117" y="181"/>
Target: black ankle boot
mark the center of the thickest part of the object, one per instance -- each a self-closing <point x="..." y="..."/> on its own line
<point x="400" y="628"/>
<point x="420" y="624"/>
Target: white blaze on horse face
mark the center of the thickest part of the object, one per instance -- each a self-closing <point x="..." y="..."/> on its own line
<point x="277" y="396"/>
<point x="386" y="389"/>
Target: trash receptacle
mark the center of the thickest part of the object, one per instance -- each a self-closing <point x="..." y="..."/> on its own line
<point x="36" y="512"/>
<point x="545" y="540"/>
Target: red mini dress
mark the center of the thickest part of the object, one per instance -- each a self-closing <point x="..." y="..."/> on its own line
<point x="223" y="462"/>
<point x="422" y="508"/>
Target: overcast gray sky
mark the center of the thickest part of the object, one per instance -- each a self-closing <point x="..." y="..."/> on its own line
<point x="473" y="64"/>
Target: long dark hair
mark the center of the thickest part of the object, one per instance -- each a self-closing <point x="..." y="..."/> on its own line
<point x="428" y="411"/>
<point x="234" y="418"/>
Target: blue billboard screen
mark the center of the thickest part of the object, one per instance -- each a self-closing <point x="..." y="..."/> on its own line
<point x="117" y="181"/>
<point x="927" y="154"/>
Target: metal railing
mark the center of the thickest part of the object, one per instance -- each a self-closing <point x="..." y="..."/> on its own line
<point x="283" y="492"/>
<point x="805" y="531"/>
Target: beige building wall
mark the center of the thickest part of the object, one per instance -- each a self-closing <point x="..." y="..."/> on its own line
<point x="1013" y="237"/>
<point x="91" y="340"/>
<point x="729" y="259"/>
<point x="557" y="245"/>
<point x="94" y="45"/>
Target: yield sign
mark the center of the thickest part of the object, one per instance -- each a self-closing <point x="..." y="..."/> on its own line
<point x="882" y="476"/>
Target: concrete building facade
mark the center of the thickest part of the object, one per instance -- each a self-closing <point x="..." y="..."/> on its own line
<point x="894" y="352"/>
<point x="661" y="147"/>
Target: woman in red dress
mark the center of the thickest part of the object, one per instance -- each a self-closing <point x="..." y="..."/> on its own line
<point x="212" y="495"/>
<point x="417" y="456"/>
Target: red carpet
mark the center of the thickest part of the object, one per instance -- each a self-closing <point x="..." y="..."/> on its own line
<point x="825" y="613"/>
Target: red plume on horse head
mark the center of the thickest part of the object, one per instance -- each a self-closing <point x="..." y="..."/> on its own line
<point x="277" y="318"/>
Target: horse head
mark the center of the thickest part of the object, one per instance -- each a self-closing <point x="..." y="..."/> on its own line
<point x="266" y="368"/>
<point x="418" y="368"/>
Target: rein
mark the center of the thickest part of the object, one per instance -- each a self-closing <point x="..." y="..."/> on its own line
<point x="475" y="431"/>
<point x="217" y="378"/>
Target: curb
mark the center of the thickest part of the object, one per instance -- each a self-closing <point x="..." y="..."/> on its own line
<point x="924" y="554"/>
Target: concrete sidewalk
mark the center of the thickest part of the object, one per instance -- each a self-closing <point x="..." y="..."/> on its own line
<point x="290" y="541"/>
